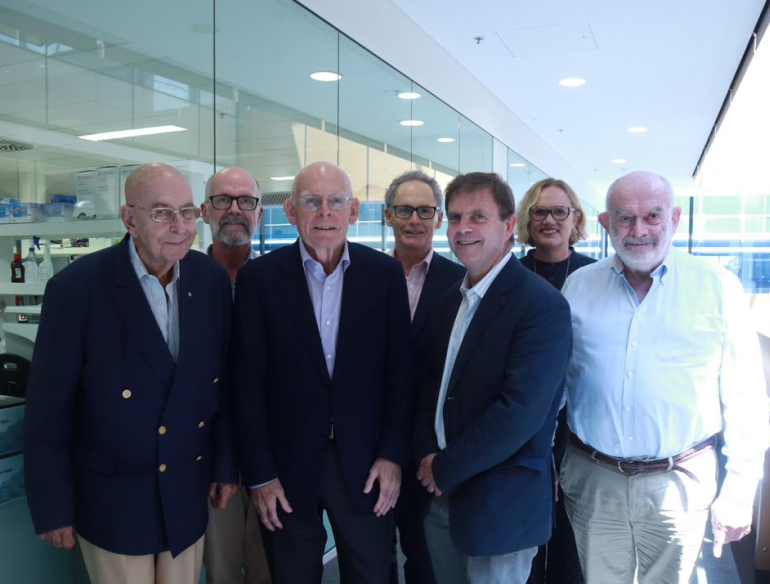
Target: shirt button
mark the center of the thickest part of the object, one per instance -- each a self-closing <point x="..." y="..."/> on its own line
<point x="328" y="356"/>
<point x="631" y="438"/>
<point x="201" y="424"/>
<point x="126" y="393"/>
<point x="630" y="373"/>
<point x="633" y="343"/>
<point x="162" y="468"/>
<point x="628" y="408"/>
<point x="328" y="322"/>
<point x="162" y="430"/>
<point x="328" y="287"/>
<point x="640" y="316"/>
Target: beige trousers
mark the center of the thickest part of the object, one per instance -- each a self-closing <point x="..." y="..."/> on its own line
<point x="108" y="568"/>
<point x="648" y="524"/>
<point x="234" y="553"/>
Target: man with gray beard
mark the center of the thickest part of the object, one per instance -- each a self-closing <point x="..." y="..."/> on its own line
<point x="233" y="552"/>
<point x="665" y="358"/>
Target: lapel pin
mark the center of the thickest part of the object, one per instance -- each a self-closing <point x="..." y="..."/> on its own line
<point x="189" y="294"/>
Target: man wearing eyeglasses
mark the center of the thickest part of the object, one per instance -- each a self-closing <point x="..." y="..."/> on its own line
<point x="413" y="209"/>
<point x="233" y="553"/>
<point x="665" y="359"/>
<point x="323" y="396"/>
<point x="124" y="435"/>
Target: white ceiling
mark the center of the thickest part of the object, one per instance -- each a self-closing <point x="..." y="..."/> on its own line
<point x="663" y="64"/>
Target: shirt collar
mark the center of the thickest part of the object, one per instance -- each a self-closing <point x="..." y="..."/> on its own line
<point x="308" y="261"/>
<point x="483" y="285"/>
<point x="426" y="260"/>
<point x="141" y="269"/>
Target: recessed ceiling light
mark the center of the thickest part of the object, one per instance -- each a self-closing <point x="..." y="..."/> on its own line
<point x="445" y="140"/>
<point x="325" y="76"/>
<point x="132" y="133"/>
<point x="411" y="122"/>
<point x="618" y="161"/>
<point x="636" y="129"/>
<point x="281" y="178"/>
<point x="517" y="165"/>
<point x="572" y="82"/>
<point x="409" y="95"/>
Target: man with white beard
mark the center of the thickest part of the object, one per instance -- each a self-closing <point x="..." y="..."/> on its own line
<point x="233" y="551"/>
<point x="665" y="358"/>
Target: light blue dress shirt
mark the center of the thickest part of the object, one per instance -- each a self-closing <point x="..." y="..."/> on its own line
<point x="651" y="379"/>
<point x="470" y="303"/>
<point x="166" y="312"/>
<point x="326" y="296"/>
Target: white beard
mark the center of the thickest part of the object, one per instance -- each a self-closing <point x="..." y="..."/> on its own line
<point x="642" y="259"/>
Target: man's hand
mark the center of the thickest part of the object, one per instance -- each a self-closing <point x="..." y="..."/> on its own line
<point x="389" y="475"/>
<point x="220" y="494"/>
<point x="730" y="521"/>
<point x="425" y="475"/>
<point x="59" y="538"/>
<point x="266" y="499"/>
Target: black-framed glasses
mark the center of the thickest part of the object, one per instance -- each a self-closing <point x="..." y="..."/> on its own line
<point x="166" y="214"/>
<point x="405" y="212"/>
<point x="224" y="202"/>
<point x="311" y="202"/>
<point x="560" y="212"/>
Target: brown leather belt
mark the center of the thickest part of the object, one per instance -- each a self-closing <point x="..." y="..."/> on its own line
<point x="632" y="467"/>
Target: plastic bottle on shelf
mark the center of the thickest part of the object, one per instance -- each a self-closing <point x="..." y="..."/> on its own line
<point x="45" y="269"/>
<point x="17" y="269"/>
<point x="31" y="271"/>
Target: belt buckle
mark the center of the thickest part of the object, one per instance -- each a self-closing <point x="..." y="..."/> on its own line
<point x="628" y="471"/>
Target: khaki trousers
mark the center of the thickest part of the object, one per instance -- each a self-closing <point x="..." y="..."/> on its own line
<point x="108" y="568"/>
<point x="651" y="524"/>
<point x="234" y="553"/>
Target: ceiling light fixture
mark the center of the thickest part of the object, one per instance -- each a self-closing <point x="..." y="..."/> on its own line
<point x="445" y="140"/>
<point x="411" y="122"/>
<point x="618" y="161"/>
<point x="325" y="76"/>
<point x="517" y="165"/>
<point x="636" y="129"/>
<point x="132" y="133"/>
<point x="409" y="95"/>
<point x="572" y="82"/>
<point x="282" y="178"/>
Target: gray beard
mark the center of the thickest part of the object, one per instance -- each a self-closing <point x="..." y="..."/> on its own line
<point x="232" y="238"/>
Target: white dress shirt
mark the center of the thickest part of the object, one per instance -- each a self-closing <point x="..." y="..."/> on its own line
<point x="470" y="303"/>
<point x="165" y="311"/>
<point x="651" y="379"/>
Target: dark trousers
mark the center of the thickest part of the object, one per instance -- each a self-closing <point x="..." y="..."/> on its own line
<point x="363" y="540"/>
<point x="410" y="510"/>
<point x="558" y="561"/>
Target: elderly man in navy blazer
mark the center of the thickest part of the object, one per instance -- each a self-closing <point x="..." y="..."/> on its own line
<point x="324" y="401"/>
<point x="490" y="393"/>
<point x="413" y="209"/>
<point x="124" y="394"/>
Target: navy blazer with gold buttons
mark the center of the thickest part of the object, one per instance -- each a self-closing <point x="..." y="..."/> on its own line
<point x="120" y="441"/>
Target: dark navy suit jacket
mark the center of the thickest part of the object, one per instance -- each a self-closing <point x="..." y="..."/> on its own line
<point x="102" y="384"/>
<point x="442" y="273"/>
<point x="500" y="412"/>
<point x="285" y="398"/>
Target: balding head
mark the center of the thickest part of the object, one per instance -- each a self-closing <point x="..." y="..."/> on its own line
<point x="321" y="172"/>
<point x="141" y="180"/>
<point x="232" y="174"/>
<point x="643" y="183"/>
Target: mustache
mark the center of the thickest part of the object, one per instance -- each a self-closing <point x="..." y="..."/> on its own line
<point x="233" y="219"/>
<point x="631" y="240"/>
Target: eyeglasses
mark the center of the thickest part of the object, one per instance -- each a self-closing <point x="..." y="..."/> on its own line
<point x="652" y="218"/>
<point x="315" y="202"/>
<point x="560" y="213"/>
<point x="166" y="214"/>
<point x="224" y="202"/>
<point x="405" y="212"/>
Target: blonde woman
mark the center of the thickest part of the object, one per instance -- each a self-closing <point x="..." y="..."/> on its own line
<point x="551" y="220"/>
